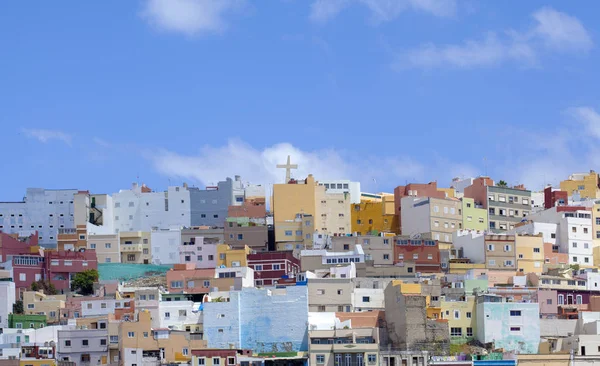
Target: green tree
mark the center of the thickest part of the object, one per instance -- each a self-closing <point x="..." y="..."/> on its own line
<point x="35" y="286"/>
<point x="18" y="307"/>
<point x="502" y="184"/>
<point x="83" y="282"/>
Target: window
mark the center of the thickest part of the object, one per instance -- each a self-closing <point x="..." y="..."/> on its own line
<point x="366" y="299"/>
<point x="103" y="305"/>
<point x="184" y="351"/>
<point x="469" y="332"/>
<point x="68" y="343"/>
<point x="182" y="313"/>
<point x="206" y="283"/>
<point x="515" y="313"/>
<point x="574" y="245"/>
<point x="201" y="361"/>
<point x="372" y="358"/>
<point x="320" y="291"/>
<point x="573" y="229"/>
<point x="536" y="250"/>
<point x="107" y="245"/>
<point x="177" y="284"/>
<point x="386" y="256"/>
<point x="167" y="315"/>
<point x="320" y="358"/>
<point x="585" y="230"/>
<point x="288" y="233"/>
<point x="492" y="262"/>
<point x="491" y="247"/>
<point x="216" y="361"/>
<point x="456" y="332"/>
<point x="549" y="301"/>
<point x="553" y="235"/>
<point x="515" y="329"/>
<point x="469" y="315"/>
<point x="103" y="342"/>
<point x="85" y="342"/>
<point x="215" y="216"/>
<point x="231" y="360"/>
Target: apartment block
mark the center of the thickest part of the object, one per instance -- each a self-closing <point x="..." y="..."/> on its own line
<point x="140" y="344"/>
<point x="438" y="216"/>
<point x="508" y="325"/>
<point x="345" y="187"/>
<point x="35" y="302"/>
<point x="106" y="246"/>
<point x="270" y="267"/>
<point x="330" y="294"/>
<point x="374" y="214"/>
<point x="424" y="253"/>
<point x="135" y="247"/>
<point x="43" y="211"/>
<point x="586" y="185"/>
<point x="530" y="253"/>
<point x="496" y="251"/>
<point x="474" y="217"/>
<point x="352" y="346"/>
<point x="574" y="231"/>
<point x="240" y="233"/>
<point x="414" y="190"/>
<point x="378" y="249"/>
<point x="83" y="346"/>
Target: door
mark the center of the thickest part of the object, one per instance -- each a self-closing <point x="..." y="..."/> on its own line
<point x="583" y="350"/>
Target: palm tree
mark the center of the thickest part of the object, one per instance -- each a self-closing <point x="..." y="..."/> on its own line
<point x="502" y="184"/>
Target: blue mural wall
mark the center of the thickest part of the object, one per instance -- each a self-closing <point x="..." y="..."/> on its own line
<point x="264" y="320"/>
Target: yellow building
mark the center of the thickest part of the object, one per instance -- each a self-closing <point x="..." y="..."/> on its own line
<point x="462" y="321"/>
<point x="292" y="201"/>
<point x="450" y="192"/>
<point x="530" y="253"/>
<point x="586" y="184"/>
<point x="473" y="217"/>
<point x="135" y="247"/>
<point x="35" y="302"/>
<point x="461" y="267"/>
<point x="295" y="234"/>
<point x="596" y="227"/>
<point x="232" y="257"/>
<point x="137" y="338"/>
<point x="375" y="214"/>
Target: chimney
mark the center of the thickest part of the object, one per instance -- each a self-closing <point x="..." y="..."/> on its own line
<point x="134" y="185"/>
<point x="237" y="178"/>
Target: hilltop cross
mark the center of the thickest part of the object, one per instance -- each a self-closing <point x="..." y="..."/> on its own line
<point x="288" y="169"/>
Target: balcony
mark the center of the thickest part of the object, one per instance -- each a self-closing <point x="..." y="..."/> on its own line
<point x="131" y="248"/>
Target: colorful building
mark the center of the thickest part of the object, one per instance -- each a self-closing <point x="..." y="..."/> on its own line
<point x="425" y="254"/>
<point x="530" y="253"/>
<point x="509" y="325"/>
<point x="474" y="217"/>
<point x="271" y="267"/>
<point x="374" y="214"/>
<point x="228" y="257"/>
<point x="462" y="320"/>
<point x="587" y="185"/>
<point x="27" y="321"/>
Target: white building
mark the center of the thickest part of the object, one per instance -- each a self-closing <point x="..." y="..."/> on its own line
<point x="140" y="209"/>
<point x="365" y="299"/>
<point x="42" y="210"/>
<point x="165" y="246"/>
<point x="102" y="307"/>
<point x="574" y="235"/>
<point x="548" y="230"/>
<point x="355" y="256"/>
<point x="245" y="276"/>
<point x="7" y="300"/>
<point x="537" y="201"/>
<point x="472" y="243"/>
<point x="180" y="315"/>
<point x="343" y="186"/>
<point x="459" y="185"/>
<point x="592" y="278"/>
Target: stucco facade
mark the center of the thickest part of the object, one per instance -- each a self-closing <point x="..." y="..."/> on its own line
<point x="438" y="216"/>
<point x="265" y="320"/>
<point x="507" y="324"/>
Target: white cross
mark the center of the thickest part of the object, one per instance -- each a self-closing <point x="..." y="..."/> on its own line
<point x="288" y="169"/>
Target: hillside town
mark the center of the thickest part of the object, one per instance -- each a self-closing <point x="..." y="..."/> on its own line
<point x="318" y="273"/>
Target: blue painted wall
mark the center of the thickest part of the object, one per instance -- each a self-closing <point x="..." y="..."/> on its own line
<point x="268" y="320"/>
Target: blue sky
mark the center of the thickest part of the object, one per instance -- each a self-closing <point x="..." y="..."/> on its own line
<point x="97" y="94"/>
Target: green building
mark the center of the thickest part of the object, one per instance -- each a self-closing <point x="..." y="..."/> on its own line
<point x="473" y="217"/>
<point x="25" y="321"/>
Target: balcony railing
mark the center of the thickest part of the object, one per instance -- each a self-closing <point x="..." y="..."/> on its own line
<point x="131" y="248"/>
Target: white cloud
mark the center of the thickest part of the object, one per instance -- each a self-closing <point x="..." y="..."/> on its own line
<point x="213" y="164"/>
<point x="324" y="10"/>
<point x="102" y="143"/>
<point x="553" y="30"/>
<point x="589" y="118"/>
<point x="487" y="52"/>
<point x="47" y="135"/>
<point x="381" y="10"/>
<point x="561" y="31"/>
<point x="190" y="17"/>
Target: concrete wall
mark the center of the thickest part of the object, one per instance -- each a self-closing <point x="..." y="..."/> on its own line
<point x="165" y="246"/>
<point x="7" y="300"/>
<point x="209" y="207"/>
<point x="265" y="320"/>
<point x="374" y="296"/>
<point x="495" y="324"/>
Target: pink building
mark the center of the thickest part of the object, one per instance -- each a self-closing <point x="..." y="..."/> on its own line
<point x="12" y="245"/>
<point x="207" y="254"/>
<point x="27" y="268"/>
<point x="61" y="266"/>
<point x="548" y="300"/>
<point x="271" y="267"/>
